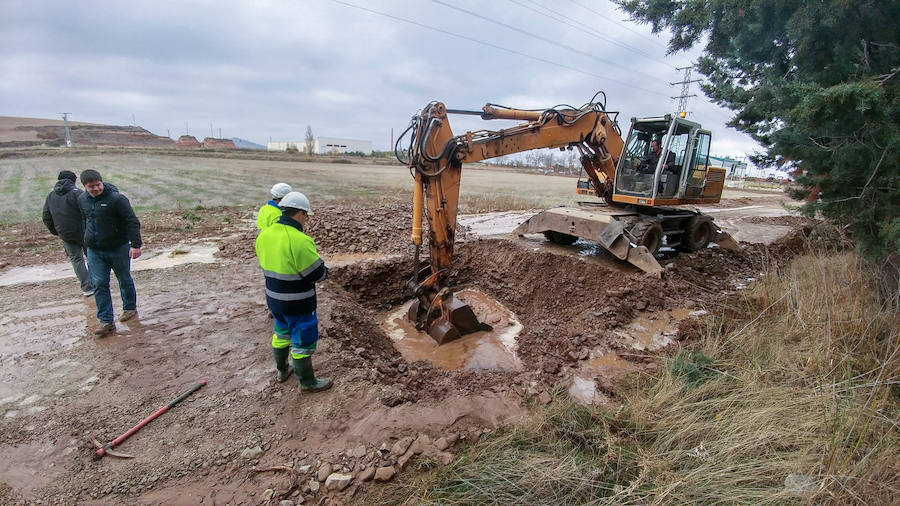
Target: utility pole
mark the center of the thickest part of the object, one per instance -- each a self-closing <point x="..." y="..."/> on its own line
<point x="65" y="116"/>
<point x="685" y="88"/>
<point x="133" y="122"/>
<point x="168" y="134"/>
<point x="211" y="130"/>
<point x="220" y="132"/>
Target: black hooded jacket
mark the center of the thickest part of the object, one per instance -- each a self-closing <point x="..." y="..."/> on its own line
<point x="61" y="215"/>
<point x="109" y="220"/>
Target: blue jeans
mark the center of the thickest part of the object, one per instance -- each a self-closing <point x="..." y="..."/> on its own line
<point x="99" y="264"/>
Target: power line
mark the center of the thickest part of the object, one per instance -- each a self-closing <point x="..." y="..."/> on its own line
<point x="562" y="18"/>
<point x="623" y="26"/>
<point x="495" y="46"/>
<point x="538" y="37"/>
<point x="685" y="88"/>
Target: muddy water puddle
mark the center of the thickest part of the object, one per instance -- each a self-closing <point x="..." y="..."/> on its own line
<point x="485" y="350"/>
<point x="608" y="366"/>
<point x="493" y="224"/>
<point x="647" y="332"/>
<point x="178" y="255"/>
<point x="654" y="331"/>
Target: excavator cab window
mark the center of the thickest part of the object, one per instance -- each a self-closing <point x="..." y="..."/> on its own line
<point x="638" y="164"/>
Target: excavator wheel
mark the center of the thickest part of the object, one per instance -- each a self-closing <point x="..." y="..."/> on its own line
<point x="698" y="231"/>
<point x="649" y="236"/>
<point x="560" y="238"/>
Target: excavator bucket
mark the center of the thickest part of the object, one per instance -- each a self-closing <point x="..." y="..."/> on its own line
<point x="725" y="240"/>
<point x="642" y="259"/>
<point x="448" y="320"/>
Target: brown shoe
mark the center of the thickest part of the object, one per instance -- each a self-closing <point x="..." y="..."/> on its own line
<point x="105" y="329"/>
<point x="127" y="315"/>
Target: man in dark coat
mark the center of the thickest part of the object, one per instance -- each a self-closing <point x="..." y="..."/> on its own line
<point x="62" y="217"/>
<point x="112" y="234"/>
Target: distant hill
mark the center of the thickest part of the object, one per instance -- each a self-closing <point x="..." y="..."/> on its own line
<point x="24" y="132"/>
<point x="245" y="144"/>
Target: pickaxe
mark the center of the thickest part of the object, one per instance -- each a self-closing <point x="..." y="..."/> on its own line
<point x="107" y="449"/>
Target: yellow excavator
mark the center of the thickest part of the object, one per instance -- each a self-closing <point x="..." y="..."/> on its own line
<point x="663" y="162"/>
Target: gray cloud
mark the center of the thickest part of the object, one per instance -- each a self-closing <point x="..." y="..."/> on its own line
<point x="268" y="69"/>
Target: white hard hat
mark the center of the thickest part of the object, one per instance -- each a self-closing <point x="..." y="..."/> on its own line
<point x="280" y="190"/>
<point x="296" y="200"/>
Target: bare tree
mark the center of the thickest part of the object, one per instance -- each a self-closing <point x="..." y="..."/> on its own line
<point x="310" y="141"/>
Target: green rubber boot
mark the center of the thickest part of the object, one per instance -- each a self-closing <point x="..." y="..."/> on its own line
<point x="281" y="363"/>
<point x="303" y="369"/>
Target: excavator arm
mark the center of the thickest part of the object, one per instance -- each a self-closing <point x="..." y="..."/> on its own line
<point x="435" y="157"/>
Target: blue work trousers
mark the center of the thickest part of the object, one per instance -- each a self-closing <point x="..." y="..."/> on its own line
<point x="301" y="331"/>
<point x="100" y="262"/>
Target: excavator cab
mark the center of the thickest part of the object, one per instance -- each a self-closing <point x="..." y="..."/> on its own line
<point x="676" y="175"/>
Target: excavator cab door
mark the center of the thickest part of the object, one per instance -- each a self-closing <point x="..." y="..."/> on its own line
<point x="696" y="180"/>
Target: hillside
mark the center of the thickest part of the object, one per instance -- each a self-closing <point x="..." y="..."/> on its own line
<point x="25" y="132"/>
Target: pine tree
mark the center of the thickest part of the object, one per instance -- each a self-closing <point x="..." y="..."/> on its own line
<point x="817" y="84"/>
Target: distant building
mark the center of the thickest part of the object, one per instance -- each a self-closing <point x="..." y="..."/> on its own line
<point x="325" y="146"/>
<point x="733" y="168"/>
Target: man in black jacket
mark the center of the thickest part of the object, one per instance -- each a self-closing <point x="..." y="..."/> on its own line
<point x="112" y="234"/>
<point x="62" y="217"/>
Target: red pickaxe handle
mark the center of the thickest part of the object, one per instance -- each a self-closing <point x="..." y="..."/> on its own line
<point x="102" y="451"/>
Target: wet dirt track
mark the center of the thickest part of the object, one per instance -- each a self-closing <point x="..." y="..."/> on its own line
<point x="59" y="385"/>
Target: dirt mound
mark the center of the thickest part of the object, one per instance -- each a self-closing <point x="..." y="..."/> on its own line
<point x="88" y="135"/>
<point x="187" y="141"/>
<point x="213" y="143"/>
<point x="787" y="221"/>
<point x="382" y="229"/>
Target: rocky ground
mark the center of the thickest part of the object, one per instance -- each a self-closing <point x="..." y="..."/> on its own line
<point x="245" y="439"/>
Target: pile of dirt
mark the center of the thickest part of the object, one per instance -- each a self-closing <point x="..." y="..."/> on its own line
<point x="187" y="141"/>
<point x="213" y="143"/>
<point x="381" y="229"/>
<point x="89" y="135"/>
<point x="787" y="221"/>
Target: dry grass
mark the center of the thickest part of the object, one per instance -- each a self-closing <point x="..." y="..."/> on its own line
<point x="798" y="377"/>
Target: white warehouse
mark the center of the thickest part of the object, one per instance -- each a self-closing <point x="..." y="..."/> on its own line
<point x="326" y="145"/>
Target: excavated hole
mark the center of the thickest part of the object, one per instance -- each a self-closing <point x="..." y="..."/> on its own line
<point x="553" y="314"/>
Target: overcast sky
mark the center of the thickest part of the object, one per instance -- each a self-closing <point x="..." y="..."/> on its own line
<point x="354" y="68"/>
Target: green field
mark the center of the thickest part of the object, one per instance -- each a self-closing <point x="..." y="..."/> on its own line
<point x="158" y="182"/>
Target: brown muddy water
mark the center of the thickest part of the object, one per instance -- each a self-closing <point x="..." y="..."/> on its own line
<point x="485" y="350"/>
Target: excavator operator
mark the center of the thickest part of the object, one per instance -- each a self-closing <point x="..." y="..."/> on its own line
<point x="648" y="163"/>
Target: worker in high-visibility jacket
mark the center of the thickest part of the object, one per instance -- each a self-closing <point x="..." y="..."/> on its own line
<point x="270" y="212"/>
<point x="292" y="267"/>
